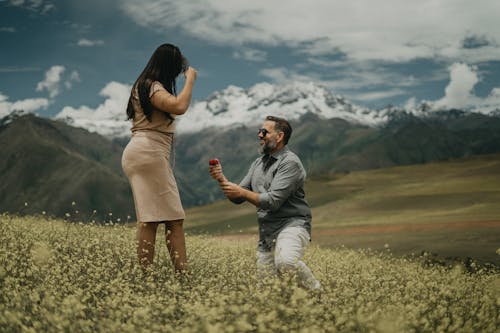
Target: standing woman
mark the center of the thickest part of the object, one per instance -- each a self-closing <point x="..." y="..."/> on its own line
<point x="152" y="107"/>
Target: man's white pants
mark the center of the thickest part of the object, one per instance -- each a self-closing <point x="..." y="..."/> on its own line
<point x="288" y="251"/>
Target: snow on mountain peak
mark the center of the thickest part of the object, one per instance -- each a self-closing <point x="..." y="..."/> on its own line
<point x="236" y="106"/>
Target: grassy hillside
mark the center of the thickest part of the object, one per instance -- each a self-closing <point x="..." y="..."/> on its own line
<point x="454" y="191"/>
<point x="49" y="165"/>
<point x="61" y="277"/>
<point x="461" y="197"/>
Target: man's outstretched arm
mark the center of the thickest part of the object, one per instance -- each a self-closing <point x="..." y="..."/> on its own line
<point x="288" y="176"/>
<point x="236" y="192"/>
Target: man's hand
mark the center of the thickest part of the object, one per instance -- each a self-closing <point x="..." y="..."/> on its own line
<point x="234" y="192"/>
<point x="231" y="190"/>
<point x="216" y="171"/>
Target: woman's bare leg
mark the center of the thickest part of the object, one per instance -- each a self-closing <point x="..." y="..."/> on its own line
<point x="176" y="245"/>
<point x="146" y="237"/>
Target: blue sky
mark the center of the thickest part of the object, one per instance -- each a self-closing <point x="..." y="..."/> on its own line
<point x="83" y="55"/>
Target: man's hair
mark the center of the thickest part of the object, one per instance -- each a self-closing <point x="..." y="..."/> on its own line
<point x="282" y="125"/>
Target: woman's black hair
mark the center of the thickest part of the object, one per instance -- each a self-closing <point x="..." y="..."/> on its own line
<point x="166" y="63"/>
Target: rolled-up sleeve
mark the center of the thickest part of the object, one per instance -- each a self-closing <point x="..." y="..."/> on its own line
<point x="288" y="177"/>
<point x="246" y="183"/>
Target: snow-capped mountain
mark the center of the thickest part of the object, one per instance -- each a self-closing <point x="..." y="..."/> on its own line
<point x="111" y="127"/>
<point x="10" y="117"/>
<point x="235" y="106"/>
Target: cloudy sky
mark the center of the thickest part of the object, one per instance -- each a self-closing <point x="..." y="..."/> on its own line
<point x="84" y="55"/>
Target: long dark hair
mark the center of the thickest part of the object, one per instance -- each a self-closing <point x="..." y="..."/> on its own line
<point x="166" y="63"/>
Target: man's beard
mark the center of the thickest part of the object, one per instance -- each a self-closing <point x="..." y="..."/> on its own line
<point x="267" y="147"/>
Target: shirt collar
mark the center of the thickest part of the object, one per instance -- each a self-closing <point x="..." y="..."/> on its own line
<point x="275" y="156"/>
<point x="280" y="152"/>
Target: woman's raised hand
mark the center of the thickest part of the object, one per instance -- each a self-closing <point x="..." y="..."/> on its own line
<point x="190" y="73"/>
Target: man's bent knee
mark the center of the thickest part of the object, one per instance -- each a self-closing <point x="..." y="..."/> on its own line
<point x="286" y="263"/>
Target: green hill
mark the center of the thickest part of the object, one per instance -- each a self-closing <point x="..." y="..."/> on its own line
<point x="46" y="166"/>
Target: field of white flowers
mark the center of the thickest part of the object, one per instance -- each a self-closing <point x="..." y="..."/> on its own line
<point x="70" y="277"/>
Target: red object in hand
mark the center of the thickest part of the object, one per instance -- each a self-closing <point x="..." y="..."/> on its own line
<point x="213" y="161"/>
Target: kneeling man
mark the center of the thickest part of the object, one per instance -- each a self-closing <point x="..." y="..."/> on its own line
<point x="275" y="185"/>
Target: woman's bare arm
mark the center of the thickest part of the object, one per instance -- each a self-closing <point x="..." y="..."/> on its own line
<point x="166" y="102"/>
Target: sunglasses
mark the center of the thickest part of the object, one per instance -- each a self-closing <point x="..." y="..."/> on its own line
<point x="263" y="131"/>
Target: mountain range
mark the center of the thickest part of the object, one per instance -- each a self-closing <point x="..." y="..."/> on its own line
<point x="235" y="106"/>
<point x="55" y="167"/>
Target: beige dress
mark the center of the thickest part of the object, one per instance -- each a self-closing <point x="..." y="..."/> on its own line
<point x="146" y="163"/>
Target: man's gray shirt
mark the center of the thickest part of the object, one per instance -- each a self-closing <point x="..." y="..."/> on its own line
<point x="279" y="180"/>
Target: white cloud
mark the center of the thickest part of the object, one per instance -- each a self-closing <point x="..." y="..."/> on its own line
<point x="39" y="6"/>
<point x="410" y="104"/>
<point x="460" y="91"/>
<point x="377" y="95"/>
<point x="51" y="81"/>
<point x="87" y="42"/>
<point x="283" y="75"/>
<point x="28" y="105"/>
<point x="389" y="30"/>
<point x="116" y="98"/>
<point x="73" y="77"/>
<point x="54" y="77"/>
<point x="352" y="80"/>
<point x="250" y="55"/>
<point x="108" y="118"/>
<point x="371" y="84"/>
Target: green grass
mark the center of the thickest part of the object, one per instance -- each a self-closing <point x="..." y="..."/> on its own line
<point x="456" y="191"/>
<point x="67" y="277"/>
<point x="448" y="193"/>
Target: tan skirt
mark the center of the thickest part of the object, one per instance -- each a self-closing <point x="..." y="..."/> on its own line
<point x="145" y="162"/>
